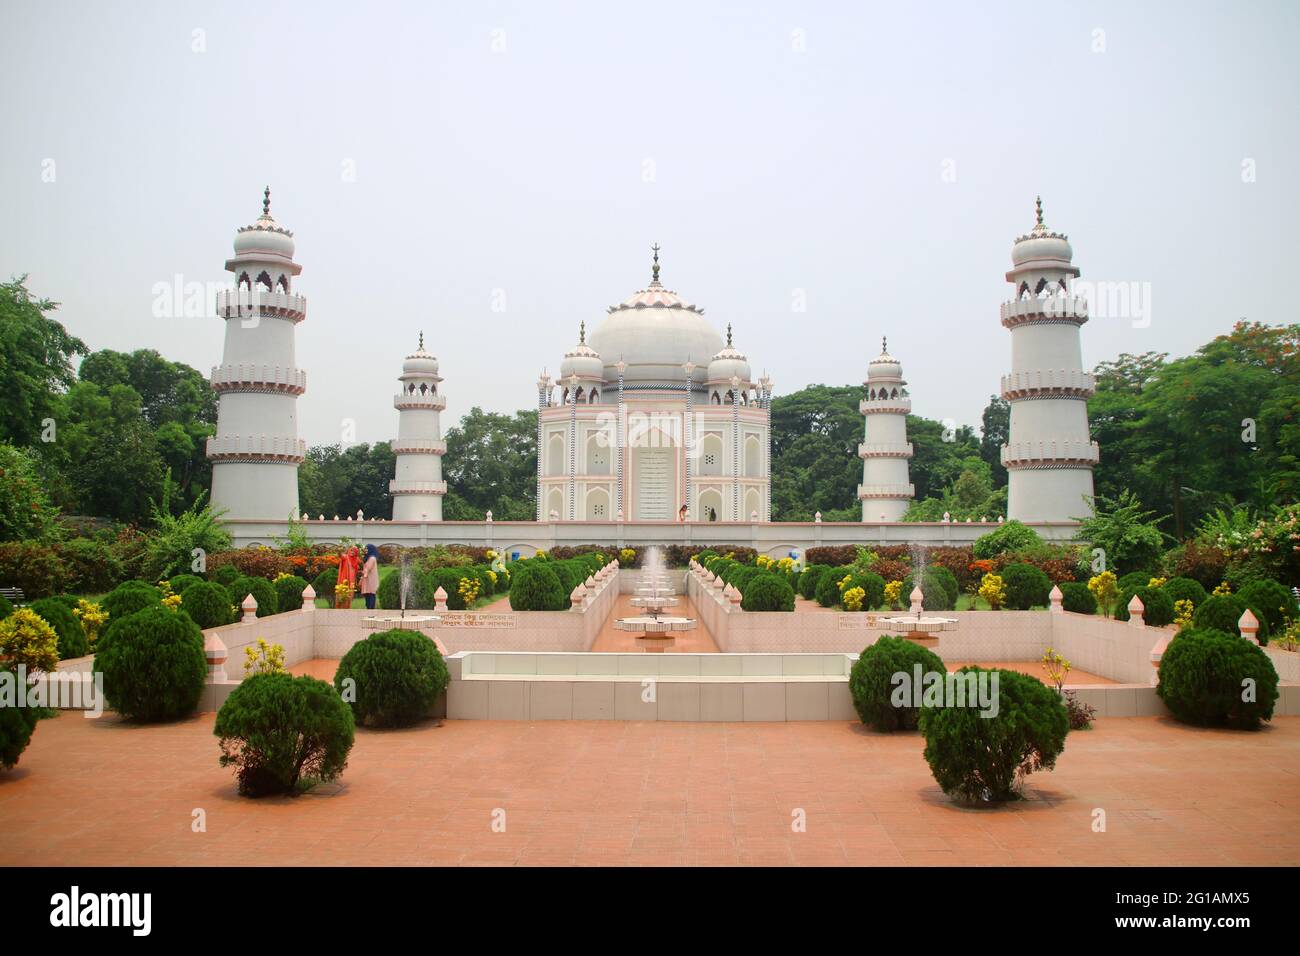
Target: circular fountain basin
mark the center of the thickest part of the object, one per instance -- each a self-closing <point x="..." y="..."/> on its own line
<point x="654" y="602"/>
<point x="920" y="630"/>
<point x="653" y="626"/>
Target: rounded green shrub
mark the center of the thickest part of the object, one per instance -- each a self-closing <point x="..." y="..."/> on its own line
<point x="537" y="588"/>
<point x="228" y="574"/>
<point x="1027" y="586"/>
<point x="288" y="593"/>
<point x="279" y="731"/>
<point x="935" y="595"/>
<point x="153" y="667"/>
<point x="947" y="580"/>
<point x="16" y="726"/>
<point x="325" y="582"/>
<point x="984" y="759"/>
<point x="1157" y="607"/>
<point x="828" y="586"/>
<point x="1076" y="597"/>
<point x="1011" y="536"/>
<point x="1222" y="612"/>
<point x="182" y="581"/>
<point x="1133" y="580"/>
<point x="420" y="586"/>
<point x="262" y="591"/>
<point x="6" y="607"/>
<point x="767" y="592"/>
<point x="571" y="574"/>
<point x="391" y="679"/>
<point x="1273" y="599"/>
<point x="208" y="604"/>
<point x="1185" y="589"/>
<point x="449" y="580"/>
<point x="125" y="599"/>
<point x="1213" y="677"/>
<point x="882" y="700"/>
<point x="808" y="580"/>
<point x="72" y="636"/>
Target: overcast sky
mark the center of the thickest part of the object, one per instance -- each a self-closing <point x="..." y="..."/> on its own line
<point x="439" y="161"/>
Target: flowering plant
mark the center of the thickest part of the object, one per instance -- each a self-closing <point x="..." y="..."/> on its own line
<point x="893" y="591"/>
<point x="263" y="658"/>
<point x="1105" y="588"/>
<point x="853" y="599"/>
<point x="993" y="590"/>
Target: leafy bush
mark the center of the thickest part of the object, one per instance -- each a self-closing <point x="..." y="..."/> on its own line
<point x="129" y="597"/>
<point x="182" y="581"/>
<point x="1133" y="580"/>
<point x="1081" y="715"/>
<point x="228" y="574"/>
<point x="153" y="664"/>
<point x="1027" y="586"/>
<point x="449" y="580"/>
<point x="766" y="591"/>
<point x="946" y="579"/>
<point x="277" y="731"/>
<point x="1157" y="607"/>
<point x="26" y="639"/>
<point x="537" y="588"/>
<point x="938" y="589"/>
<point x="262" y="591"/>
<point x="323" y="584"/>
<point x="1184" y="589"/>
<point x="208" y="604"/>
<point x="1273" y="599"/>
<point x="1011" y="536"/>
<point x="93" y="566"/>
<point x="72" y="637"/>
<point x="33" y="567"/>
<point x="1222" y="612"/>
<point x="873" y="588"/>
<point x="177" y="537"/>
<point x="828" y="586"/>
<point x="1213" y="677"/>
<point x="808" y="580"/>
<point x="1076" y="597"/>
<point x="6" y="607"/>
<point x="394" y="678"/>
<point x="986" y="758"/>
<point x="288" y="593"/>
<point x="871" y="681"/>
<point x="1203" y="563"/>
<point x="16" y="726"/>
<point x="263" y="563"/>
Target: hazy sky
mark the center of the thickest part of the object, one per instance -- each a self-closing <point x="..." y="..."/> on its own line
<point x="876" y="160"/>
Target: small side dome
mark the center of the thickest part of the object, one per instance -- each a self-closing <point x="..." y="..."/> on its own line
<point x="1041" y="244"/>
<point x="265" y="236"/>
<point x="729" y="363"/>
<point x="420" y="362"/>
<point x="582" y="360"/>
<point x="884" y="366"/>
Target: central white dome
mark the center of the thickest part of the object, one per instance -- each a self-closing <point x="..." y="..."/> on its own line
<point x="656" y="332"/>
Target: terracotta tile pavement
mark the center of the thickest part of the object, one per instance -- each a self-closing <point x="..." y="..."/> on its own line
<point x="104" y="792"/>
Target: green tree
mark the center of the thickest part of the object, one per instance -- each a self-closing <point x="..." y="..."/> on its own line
<point x="35" y="363"/>
<point x="994" y="430"/>
<point x="491" y="463"/>
<point x="25" y="508"/>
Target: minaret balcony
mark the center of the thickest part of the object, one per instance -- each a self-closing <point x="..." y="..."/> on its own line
<point x="887" y="491"/>
<point x="894" y="449"/>
<point x="1049" y="383"/>
<point x="418" y="446"/>
<point x="1051" y="308"/>
<point x="885" y="406"/>
<point x="1050" y="454"/>
<point x="256" y="448"/>
<point x="248" y="303"/>
<point x="259" y="378"/>
<point x="396" y="487"/>
<point x="428" y="401"/>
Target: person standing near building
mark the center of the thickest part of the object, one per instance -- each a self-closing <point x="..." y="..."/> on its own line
<point x="370" y="576"/>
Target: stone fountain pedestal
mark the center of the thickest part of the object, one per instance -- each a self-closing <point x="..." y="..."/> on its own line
<point x="916" y="627"/>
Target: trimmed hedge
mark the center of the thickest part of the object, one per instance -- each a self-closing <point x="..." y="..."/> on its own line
<point x="1011" y="536"/>
<point x="262" y="593"/>
<point x="323" y="584"/>
<point x="1027" y="586"/>
<point x="1222" y="612"/>
<point x="872" y="682"/>
<point x="1185" y="589"/>
<point x="809" y="578"/>
<point x="1212" y="677"/>
<point x="767" y="592"/>
<point x="208" y="604"/>
<point x="130" y="597"/>
<point x="391" y="679"/>
<point x="17" y="725"/>
<point x="985" y="759"/>
<point x="277" y="730"/>
<point x="938" y="589"/>
<point x="228" y="574"/>
<point x="72" y="636"/>
<point x="288" y="593"/>
<point x="1076" y="597"/>
<point x="1158" y="608"/>
<point x="536" y="587"/>
<point x="154" y="667"/>
<point x="182" y="581"/>
<point x="1273" y="599"/>
<point x="828" y="587"/>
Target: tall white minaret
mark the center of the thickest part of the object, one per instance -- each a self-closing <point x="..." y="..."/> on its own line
<point x="256" y="451"/>
<point x="885" y="491"/>
<point x="1049" y="454"/>
<point x="417" y="488"/>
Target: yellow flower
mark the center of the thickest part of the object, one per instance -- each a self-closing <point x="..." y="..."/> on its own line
<point x="1183" y="612"/>
<point x="1223" y="588"/>
<point x="172" y="601"/>
<point x="993" y="590"/>
<point x="893" y="591"/>
<point x="1156" y="582"/>
<point x="853" y="599"/>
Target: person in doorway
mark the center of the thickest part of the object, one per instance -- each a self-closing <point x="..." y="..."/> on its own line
<point x="681" y="513"/>
<point x="370" y="576"/>
<point x="713" y="515"/>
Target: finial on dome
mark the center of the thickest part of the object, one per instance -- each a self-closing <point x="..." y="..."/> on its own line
<point x="654" y="270"/>
<point x="422" y="340"/>
<point x="1038" y="215"/>
<point x="582" y="332"/>
<point x="728" y="335"/>
<point x="266" y="201"/>
<point x="884" y="345"/>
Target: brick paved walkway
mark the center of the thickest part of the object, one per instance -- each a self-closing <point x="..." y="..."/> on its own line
<point x="105" y="792"/>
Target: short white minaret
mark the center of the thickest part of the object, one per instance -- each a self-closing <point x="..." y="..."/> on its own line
<point x="417" y="488"/>
<point x="1049" y="454"/>
<point x="256" y="451"/>
<point x="885" y="491"/>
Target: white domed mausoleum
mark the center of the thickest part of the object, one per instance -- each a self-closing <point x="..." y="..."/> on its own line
<point x="885" y="491"/>
<point x="655" y="414"/>
<point x="1049" y="454"/>
<point x="256" y="451"/>
<point x="417" y="487"/>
